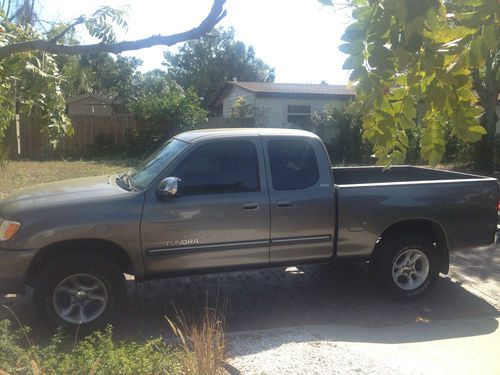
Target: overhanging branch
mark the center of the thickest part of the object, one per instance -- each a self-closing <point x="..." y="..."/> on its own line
<point x="216" y="14"/>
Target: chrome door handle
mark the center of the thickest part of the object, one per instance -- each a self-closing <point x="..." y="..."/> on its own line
<point x="284" y="204"/>
<point x="251" y="206"/>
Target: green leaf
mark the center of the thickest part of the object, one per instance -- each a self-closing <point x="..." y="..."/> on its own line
<point x="415" y="43"/>
<point x="353" y="32"/>
<point x="353" y="62"/>
<point x="409" y="107"/>
<point x="358" y="73"/>
<point x="405" y="123"/>
<point x="380" y="58"/>
<point x="488" y="35"/>
<point x="477" y="129"/>
<point x="416" y="9"/>
<point x="362" y="12"/>
<point x="475" y="53"/>
<point x="385" y="106"/>
<point x="403" y="138"/>
<point x="354" y="48"/>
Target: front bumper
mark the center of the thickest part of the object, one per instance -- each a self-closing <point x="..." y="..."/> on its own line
<point x="14" y="266"/>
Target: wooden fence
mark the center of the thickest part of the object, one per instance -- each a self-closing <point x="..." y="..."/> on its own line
<point x="90" y="133"/>
<point x="93" y="135"/>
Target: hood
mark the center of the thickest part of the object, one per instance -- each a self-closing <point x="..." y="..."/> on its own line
<point x="61" y="193"/>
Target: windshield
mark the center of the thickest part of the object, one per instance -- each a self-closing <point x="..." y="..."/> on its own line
<point x="145" y="173"/>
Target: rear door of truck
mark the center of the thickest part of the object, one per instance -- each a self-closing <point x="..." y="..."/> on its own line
<point x="302" y="199"/>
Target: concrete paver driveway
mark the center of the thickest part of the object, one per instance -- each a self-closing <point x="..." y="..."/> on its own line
<point x="305" y="295"/>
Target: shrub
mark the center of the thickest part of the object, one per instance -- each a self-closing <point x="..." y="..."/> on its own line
<point x="341" y="132"/>
<point x="241" y="108"/>
<point x="95" y="354"/>
<point x="163" y="109"/>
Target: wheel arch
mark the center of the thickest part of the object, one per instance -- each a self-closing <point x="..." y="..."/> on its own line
<point x="426" y="227"/>
<point x="99" y="247"/>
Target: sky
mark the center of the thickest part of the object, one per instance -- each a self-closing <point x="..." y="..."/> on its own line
<point x="299" y="38"/>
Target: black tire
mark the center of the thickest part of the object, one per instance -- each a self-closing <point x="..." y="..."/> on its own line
<point x="393" y="249"/>
<point x="102" y="270"/>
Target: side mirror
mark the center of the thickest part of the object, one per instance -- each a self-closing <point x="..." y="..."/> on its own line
<point x="168" y="187"/>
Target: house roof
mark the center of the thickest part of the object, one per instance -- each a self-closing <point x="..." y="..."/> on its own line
<point x="292" y="90"/>
<point x="98" y="98"/>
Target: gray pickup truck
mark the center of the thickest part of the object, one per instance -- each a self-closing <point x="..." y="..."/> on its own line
<point x="232" y="199"/>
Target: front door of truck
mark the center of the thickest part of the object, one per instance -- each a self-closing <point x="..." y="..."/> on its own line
<point x="302" y="200"/>
<point x="221" y="218"/>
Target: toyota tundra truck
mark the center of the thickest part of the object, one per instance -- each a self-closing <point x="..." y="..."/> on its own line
<point x="232" y="199"/>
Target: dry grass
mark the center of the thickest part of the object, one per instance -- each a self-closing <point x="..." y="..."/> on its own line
<point x="16" y="175"/>
<point x="203" y="344"/>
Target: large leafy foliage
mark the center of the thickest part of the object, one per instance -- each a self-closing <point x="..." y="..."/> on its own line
<point x="32" y="81"/>
<point x="411" y="64"/>
<point x="164" y="109"/>
<point x="206" y="64"/>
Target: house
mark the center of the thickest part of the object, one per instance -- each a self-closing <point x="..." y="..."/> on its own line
<point x="90" y="105"/>
<point x="280" y="105"/>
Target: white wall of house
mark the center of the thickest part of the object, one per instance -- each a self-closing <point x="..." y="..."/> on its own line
<point x="235" y="93"/>
<point x="270" y="112"/>
<point x="273" y="112"/>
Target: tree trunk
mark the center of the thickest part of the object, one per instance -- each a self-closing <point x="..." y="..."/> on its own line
<point x="486" y="88"/>
<point x="485" y="148"/>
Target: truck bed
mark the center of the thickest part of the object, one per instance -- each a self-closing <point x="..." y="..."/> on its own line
<point x="404" y="173"/>
<point x="369" y="199"/>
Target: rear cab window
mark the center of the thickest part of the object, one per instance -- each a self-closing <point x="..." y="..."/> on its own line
<point x="293" y="164"/>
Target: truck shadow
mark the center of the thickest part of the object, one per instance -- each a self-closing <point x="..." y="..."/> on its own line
<point x="295" y="297"/>
<point x="341" y="295"/>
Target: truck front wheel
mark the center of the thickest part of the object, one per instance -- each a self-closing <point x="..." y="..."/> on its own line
<point x="79" y="291"/>
<point x="406" y="267"/>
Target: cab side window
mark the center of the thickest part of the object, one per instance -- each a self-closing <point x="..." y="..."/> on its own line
<point x="293" y="164"/>
<point x="220" y="167"/>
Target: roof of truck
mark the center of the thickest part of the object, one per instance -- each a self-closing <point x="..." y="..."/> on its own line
<point x="195" y="135"/>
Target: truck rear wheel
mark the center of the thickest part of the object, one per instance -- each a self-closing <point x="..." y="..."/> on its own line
<point x="79" y="291"/>
<point x="406" y="267"/>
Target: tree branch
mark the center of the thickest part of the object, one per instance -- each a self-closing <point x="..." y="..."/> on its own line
<point x="216" y="14"/>
<point x="77" y="22"/>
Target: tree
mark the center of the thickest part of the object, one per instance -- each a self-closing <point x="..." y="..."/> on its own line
<point x="30" y="81"/>
<point x="165" y="108"/>
<point x="100" y="25"/>
<point x="412" y="63"/>
<point x="341" y="131"/>
<point x="207" y="63"/>
<point x="31" y="60"/>
<point x="241" y="108"/>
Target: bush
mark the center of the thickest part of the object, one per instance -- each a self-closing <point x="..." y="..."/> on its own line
<point x="341" y="132"/>
<point x="95" y="354"/>
<point x="164" y="109"/>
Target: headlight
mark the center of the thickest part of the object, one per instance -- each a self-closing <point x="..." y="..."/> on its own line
<point x="8" y="229"/>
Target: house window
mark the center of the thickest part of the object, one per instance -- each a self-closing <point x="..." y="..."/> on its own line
<point x="299" y="115"/>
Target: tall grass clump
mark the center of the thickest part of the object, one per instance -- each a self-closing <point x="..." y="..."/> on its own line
<point x="203" y="344"/>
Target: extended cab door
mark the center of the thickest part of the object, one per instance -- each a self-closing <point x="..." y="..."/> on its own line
<point x="221" y="218"/>
<point x="302" y="199"/>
